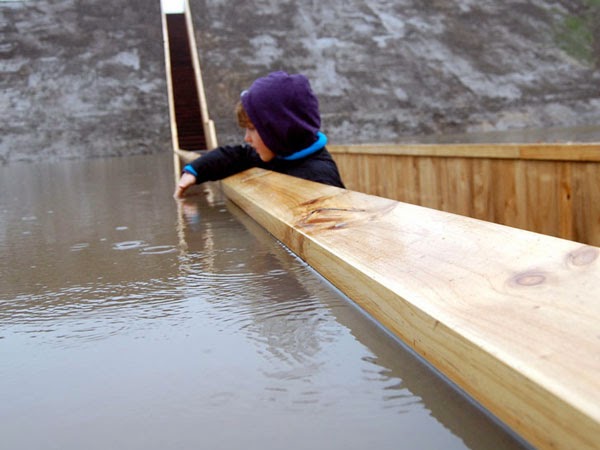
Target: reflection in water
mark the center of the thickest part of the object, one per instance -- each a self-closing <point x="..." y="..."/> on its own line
<point x="130" y="320"/>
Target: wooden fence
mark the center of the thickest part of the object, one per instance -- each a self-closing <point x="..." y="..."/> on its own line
<point x="552" y="189"/>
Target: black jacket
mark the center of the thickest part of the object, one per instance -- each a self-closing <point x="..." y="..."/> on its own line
<point x="231" y="159"/>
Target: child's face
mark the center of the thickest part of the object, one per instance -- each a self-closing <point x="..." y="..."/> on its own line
<point x="253" y="138"/>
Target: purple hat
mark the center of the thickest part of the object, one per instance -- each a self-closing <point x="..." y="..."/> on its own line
<point x="284" y="110"/>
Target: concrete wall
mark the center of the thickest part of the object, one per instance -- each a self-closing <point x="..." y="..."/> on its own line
<point x="81" y="79"/>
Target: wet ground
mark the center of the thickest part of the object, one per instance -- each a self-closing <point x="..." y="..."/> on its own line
<point x="128" y="320"/>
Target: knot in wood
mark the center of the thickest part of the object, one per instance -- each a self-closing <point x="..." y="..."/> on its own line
<point x="583" y="256"/>
<point x="529" y="279"/>
<point x="330" y="217"/>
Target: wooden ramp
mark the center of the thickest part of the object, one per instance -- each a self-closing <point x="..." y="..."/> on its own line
<point x="511" y="317"/>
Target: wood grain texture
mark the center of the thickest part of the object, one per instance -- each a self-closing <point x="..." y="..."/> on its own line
<point x="171" y="102"/>
<point x="540" y="192"/>
<point x="542" y="151"/>
<point x="510" y="316"/>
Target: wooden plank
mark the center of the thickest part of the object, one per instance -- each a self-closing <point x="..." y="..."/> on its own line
<point x="546" y="151"/>
<point x="171" y="101"/>
<point x="512" y="317"/>
<point x="585" y="196"/>
<point x="561" y="152"/>
<point x="440" y="150"/>
<point x="565" y="213"/>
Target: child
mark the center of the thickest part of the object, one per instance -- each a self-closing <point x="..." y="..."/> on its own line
<point x="281" y="116"/>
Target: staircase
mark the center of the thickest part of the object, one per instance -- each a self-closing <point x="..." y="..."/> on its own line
<point x="188" y="115"/>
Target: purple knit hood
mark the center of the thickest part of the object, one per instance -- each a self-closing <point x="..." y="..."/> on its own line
<point x="284" y="110"/>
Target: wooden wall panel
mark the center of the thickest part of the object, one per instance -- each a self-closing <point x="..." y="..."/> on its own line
<point x="553" y="196"/>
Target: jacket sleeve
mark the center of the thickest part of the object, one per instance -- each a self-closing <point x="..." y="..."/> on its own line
<point x="222" y="162"/>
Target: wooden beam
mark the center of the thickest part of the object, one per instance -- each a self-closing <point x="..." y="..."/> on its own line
<point x="171" y="102"/>
<point x="550" y="152"/>
<point x="512" y="317"/>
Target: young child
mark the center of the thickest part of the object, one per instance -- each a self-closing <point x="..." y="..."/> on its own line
<point x="281" y="116"/>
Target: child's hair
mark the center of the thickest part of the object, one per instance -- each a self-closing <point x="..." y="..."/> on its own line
<point x="242" y="117"/>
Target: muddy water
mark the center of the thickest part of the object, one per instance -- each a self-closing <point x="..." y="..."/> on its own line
<point x="127" y="321"/>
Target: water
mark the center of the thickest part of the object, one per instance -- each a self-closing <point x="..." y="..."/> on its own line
<point x="127" y="321"/>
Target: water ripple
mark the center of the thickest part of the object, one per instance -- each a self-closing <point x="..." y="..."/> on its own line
<point x="92" y="311"/>
<point x="79" y="247"/>
<point x="158" y="250"/>
<point x="128" y="245"/>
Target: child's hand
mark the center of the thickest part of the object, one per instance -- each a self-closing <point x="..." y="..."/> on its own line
<point x="186" y="180"/>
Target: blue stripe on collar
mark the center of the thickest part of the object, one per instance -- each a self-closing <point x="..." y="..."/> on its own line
<point x="315" y="147"/>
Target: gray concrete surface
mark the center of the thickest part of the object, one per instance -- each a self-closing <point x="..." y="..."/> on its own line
<point x="395" y="70"/>
<point x="81" y="79"/>
<point x="86" y="78"/>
